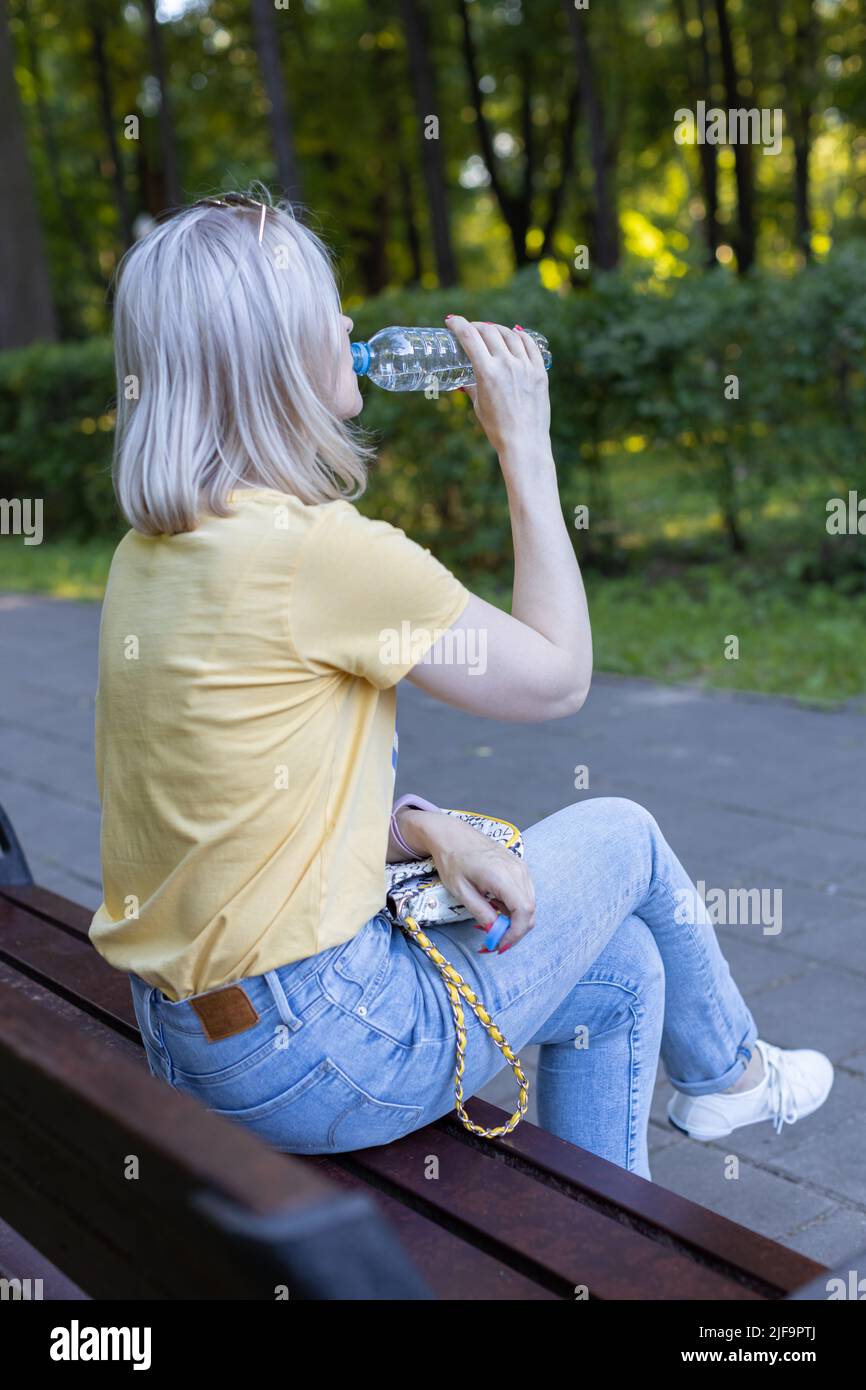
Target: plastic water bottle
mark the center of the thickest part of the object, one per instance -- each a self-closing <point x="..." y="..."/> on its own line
<point x="413" y="359"/>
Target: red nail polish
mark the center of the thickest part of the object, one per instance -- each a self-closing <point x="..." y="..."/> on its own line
<point x="520" y="327"/>
<point x="503" y="949"/>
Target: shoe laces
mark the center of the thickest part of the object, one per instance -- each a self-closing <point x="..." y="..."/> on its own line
<point x="782" y="1101"/>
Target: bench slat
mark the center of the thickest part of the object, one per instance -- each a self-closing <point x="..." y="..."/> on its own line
<point x="51" y="906"/>
<point x="68" y="964"/>
<point x="452" y="1268"/>
<point x="558" y="1241"/>
<point x="114" y="1043"/>
<point x="650" y="1206"/>
<point x="19" y="1260"/>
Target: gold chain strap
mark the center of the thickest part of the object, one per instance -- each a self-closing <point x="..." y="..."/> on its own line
<point x="457" y="987"/>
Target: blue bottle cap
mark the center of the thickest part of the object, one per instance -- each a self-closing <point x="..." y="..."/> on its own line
<point x="496" y="931"/>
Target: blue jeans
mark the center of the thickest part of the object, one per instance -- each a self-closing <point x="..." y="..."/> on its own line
<point x="355" y="1047"/>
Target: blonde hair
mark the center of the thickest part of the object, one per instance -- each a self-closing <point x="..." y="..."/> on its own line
<point x="228" y="343"/>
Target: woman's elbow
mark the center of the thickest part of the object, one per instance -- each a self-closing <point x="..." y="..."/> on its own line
<point x="572" y="698"/>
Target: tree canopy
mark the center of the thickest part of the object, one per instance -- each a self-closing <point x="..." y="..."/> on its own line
<point x="431" y="144"/>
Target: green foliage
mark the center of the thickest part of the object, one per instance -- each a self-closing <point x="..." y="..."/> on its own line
<point x="650" y="372"/>
<point x="56" y="434"/>
<point x="639" y="374"/>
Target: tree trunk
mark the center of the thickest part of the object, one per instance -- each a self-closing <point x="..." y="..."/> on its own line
<point x="109" y="131"/>
<point x="413" y="238"/>
<point x="26" y="303"/>
<point x="729" y="502"/>
<point x="709" y="154"/>
<point x="510" y="208"/>
<point x="800" y="81"/>
<point x="267" y="42"/>
<point x="67" y="206"/>
<point x="373" y="250"/>
<point x="606" y="230"/>
<point x="566" y="166"/>
<point x="742" y="152"/>
<point x="168" y="144"/>
<point x="523" y="203"/>
<point x="802" y="213"/>
<point x="423" y="78"/>
<point x="700" y="81"/>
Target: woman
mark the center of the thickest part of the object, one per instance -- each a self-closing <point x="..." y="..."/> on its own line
<point x="246" y="748"/>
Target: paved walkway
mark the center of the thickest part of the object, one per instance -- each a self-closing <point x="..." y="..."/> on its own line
<point x="750" y="791"/>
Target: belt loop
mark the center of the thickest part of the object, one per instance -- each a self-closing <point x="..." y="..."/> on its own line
<point x="282" y="1003"/>
<point x="147" y="1015"/>
<point x="153" y="1030"/>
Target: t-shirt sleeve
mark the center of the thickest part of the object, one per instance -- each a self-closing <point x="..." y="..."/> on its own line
<point x="368" y="600"/>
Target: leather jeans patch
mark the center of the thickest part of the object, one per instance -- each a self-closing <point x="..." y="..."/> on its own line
<point x="225" y="1012"/>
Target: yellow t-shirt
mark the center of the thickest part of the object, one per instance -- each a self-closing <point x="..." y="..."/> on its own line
<point x="246" y="734"/>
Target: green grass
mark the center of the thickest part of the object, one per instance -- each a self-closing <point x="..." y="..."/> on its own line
<point x="67" y="569"/>
<point x="802" y="641"/>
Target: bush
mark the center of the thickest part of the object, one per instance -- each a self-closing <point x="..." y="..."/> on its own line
<point x="646" y="370"/>
<point x="636" y="368"/>
<point x="56" y="434"/>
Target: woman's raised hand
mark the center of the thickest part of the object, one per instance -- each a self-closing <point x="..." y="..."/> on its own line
<point x="510" y="394"/>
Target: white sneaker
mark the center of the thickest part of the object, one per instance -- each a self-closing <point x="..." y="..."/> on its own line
<point x="793" y="1085"/>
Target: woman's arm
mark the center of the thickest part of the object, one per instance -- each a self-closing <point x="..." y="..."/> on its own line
<point x="536" y="663"/>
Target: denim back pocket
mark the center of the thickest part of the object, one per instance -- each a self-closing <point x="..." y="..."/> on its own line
<point x="325" y="1112"/>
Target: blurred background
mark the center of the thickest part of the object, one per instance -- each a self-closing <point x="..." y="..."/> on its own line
<point x="511" y="162"/>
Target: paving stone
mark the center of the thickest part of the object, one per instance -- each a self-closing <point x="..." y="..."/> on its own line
<point x="47" y="767"/>
<point x="856" y="1062"/>
<point x="55" y="833"/>
<point x="835" y="1167"/>
<point x="832" y="1238"/>
<point x="759" y="965"/>
<point x="804" y="909"/>
<point x="812" y="856"/>
<point x="822" y="1008"/>
<point x="661" y="1137"/>
<point x="856" y="884"/>
<point x="841" y="808"/>
<point x="762" y="1201"/>
<point x="839" y="940"/>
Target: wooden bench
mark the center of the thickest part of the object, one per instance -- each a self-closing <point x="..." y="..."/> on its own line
<point x="214" y="1213"/>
